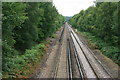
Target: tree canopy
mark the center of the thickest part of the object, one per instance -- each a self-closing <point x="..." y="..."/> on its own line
<point x="25" y="25"/>
<point x="101" y="20"/>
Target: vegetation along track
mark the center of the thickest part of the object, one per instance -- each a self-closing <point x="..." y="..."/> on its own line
<point x="87" y="65"/>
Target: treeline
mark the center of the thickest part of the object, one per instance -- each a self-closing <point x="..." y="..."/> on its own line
<point x="26" y="24"/>
<point x="103" y="21"/>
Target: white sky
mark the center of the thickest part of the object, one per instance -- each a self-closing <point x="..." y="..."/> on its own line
<point x="72" y="7"/>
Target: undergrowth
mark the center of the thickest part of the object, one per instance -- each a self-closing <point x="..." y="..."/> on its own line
<point x="19" y="65"/>
<point x="106" y="48"/>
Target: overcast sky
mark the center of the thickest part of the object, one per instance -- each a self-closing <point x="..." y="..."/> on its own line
<point x="72" y="7"/>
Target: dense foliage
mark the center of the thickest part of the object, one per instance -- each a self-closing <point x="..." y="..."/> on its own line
<point x="25" y="25"/>
<point x="102" y="20"/>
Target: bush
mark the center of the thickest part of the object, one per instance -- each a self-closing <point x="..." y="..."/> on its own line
<point x="107" y="49"/>
<point x="16" y="64"/>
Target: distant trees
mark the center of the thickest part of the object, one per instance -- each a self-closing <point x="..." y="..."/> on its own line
<point x="67" y="18"/>
<point x="101" y="20"/>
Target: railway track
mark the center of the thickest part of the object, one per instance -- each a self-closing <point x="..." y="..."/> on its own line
<point x="52" y="64"/>
<point x="74" y="65"/>
<point x="75" y="68"/>
<point x="59" y="54"/>
<point x="87" y="65"/>
<point x="71" y="59"/>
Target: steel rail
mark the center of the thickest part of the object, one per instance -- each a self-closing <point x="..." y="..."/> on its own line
<point x="84" y="54"/>
<point x="59" y="54"/>
<point x="69" y="60"/>
<point x="80" y="65"/>
<point x="82" y="74"/>
<point x="92" y="65"/>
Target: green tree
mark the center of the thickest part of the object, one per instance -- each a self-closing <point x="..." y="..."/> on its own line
<point x="13" y="16"/>
<point x="27" y="34"/>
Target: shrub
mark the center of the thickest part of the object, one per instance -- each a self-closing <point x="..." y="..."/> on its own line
<point x="16" y="64"/>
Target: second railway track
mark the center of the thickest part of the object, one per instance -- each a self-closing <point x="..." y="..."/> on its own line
<point x="85" y="66"/>
<point x="75" y="67"/>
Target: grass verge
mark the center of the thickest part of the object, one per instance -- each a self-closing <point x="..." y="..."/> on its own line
<point x="108" y="50"/>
